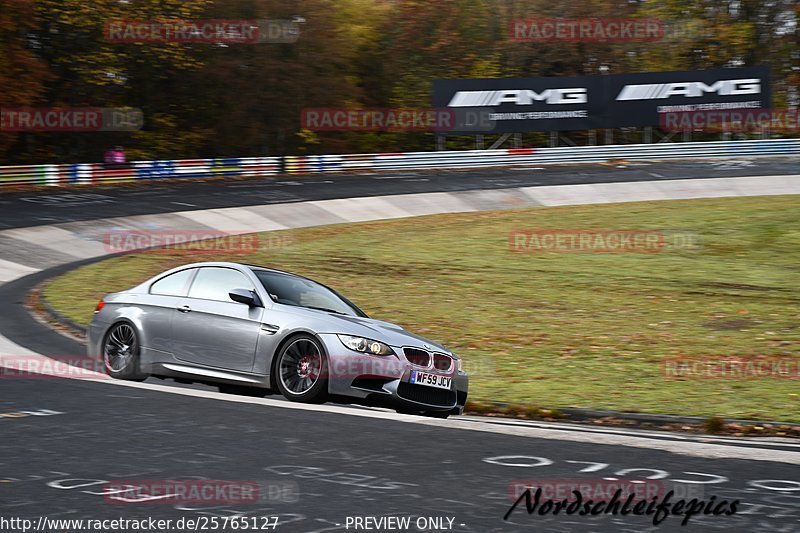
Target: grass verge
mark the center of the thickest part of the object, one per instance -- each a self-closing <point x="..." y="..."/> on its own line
<point x="556" y="330"/>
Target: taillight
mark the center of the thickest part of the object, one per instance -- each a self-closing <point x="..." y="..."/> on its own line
<point x="100" y="305"/>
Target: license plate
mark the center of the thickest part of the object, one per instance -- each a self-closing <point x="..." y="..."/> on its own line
<point x="431" y="380"/>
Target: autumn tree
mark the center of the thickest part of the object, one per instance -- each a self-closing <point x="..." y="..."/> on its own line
<point x="23" y="73"/>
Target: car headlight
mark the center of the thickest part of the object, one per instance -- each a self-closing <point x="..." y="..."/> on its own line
<point x="460" y="364"/>
<point x="360" y="344"/>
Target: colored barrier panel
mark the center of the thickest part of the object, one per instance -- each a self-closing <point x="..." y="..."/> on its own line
<point x="232" y="167"/>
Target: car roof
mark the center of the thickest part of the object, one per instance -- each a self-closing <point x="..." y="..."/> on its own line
<point x="246" y="265"/>
<point x="275" y="270"/>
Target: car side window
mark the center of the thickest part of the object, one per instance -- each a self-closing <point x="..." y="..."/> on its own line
<point x="214" y="283"/>
<point x="173" y="285"/>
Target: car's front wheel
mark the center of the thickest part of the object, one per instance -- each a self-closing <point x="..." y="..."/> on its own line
<point x="302" y="370"/>
<point x="121" y="353"/>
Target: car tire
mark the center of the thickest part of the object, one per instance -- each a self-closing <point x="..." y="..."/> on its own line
<point x="121" y="353"/>
<point x="301" y="370"/>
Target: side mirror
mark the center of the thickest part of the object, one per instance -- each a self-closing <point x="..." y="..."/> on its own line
<point x="244" y="296"/>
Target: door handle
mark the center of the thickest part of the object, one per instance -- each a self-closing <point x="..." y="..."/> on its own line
<point x="185" y="309"/>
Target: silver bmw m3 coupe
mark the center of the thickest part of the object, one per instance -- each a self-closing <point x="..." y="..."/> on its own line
<point x="255" y="330"/>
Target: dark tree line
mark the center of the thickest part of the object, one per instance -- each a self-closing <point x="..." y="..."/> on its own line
<point x="206" y="100"/>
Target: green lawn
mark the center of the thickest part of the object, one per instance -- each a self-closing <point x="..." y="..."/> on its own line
<point x="557" y="329"/>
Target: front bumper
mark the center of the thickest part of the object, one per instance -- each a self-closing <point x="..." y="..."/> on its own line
<point x="385" y="380"/>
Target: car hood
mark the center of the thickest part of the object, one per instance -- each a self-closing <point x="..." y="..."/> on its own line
<point x="371" y="328"/>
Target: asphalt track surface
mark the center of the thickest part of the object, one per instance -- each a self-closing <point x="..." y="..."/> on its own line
<point x="318" y="466"/>
<point x="56" y="205"/>
<point x="326" y="466"/>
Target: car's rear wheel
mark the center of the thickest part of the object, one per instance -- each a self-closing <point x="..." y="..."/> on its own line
<point x="121" y="353"/>
<point x="302" y="370"/>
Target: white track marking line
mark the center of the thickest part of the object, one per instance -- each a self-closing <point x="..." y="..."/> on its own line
<point x="565" y="433"/>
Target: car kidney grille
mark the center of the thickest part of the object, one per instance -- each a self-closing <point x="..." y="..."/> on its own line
<point x="426" y="395"/>
<point x="442" y="361"/>
<point x="417" y="357"/>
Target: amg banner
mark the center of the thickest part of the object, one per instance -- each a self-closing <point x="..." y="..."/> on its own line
<point x="508" y="105"/>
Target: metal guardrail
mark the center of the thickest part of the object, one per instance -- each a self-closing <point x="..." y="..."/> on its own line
<point x="89" y="173"/>
<point x="541" y="156"/>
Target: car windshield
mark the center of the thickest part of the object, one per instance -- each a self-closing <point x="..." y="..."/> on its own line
<point x="293" y="290"/>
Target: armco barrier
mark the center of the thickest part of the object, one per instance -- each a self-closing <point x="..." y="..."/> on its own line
<point x="89" y="173"/>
